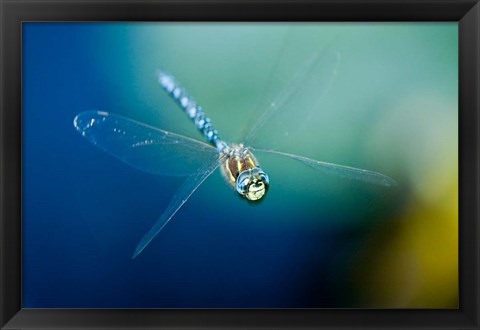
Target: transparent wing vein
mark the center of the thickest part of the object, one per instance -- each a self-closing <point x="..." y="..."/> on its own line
<point x="340" y="170"/>
<point x="190" y="185"/>
<point x="141" y="146"/>
<point x="304" y="92"/>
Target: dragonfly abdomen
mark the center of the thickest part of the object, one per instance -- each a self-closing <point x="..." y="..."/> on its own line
<point x="191" y="108"/>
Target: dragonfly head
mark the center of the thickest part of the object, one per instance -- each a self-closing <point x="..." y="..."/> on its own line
<point x="252" y="183"/>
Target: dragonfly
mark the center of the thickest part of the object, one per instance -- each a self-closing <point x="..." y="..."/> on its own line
<point x="162" y="152"/>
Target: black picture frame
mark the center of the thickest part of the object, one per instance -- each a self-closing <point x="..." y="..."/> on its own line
<point x="14" y="12"/>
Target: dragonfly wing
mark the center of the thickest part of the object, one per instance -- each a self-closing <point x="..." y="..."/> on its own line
<point x="141" y="146"/>
<point x="299" y="98"/>
<point x="182" y="195"/>
<point x="341" y="170"/>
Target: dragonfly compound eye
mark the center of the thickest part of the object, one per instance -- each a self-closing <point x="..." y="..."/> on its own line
<point x="252" y="183"/>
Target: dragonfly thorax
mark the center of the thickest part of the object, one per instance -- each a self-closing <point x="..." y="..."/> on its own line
<point x="242" y="171"/>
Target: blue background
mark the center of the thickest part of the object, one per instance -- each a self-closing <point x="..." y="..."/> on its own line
<point x="310" y="243"/>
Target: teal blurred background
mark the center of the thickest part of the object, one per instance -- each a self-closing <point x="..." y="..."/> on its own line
<point x="383" y="97"/>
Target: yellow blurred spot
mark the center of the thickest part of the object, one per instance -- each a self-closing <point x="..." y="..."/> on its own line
<point x="414" y="264"/>
<point x="412" y="261"/>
